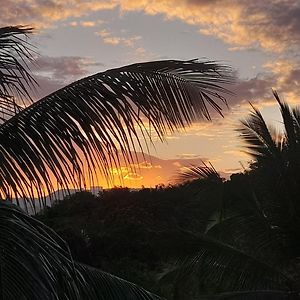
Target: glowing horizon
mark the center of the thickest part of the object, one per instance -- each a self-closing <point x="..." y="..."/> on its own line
<point x="261" y="41"/>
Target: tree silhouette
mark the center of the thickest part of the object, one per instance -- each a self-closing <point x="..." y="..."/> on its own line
<point x="67" y="136"/>
<point x="252" y="250"/>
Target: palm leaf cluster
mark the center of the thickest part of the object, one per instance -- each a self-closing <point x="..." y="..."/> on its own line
<point x="252" y="250"/>
<point x="276" y="164"/>
<point x="35" y="263"/>
<point x="271" y="147"/>
<point x="15" y="78"/>
<point x="205" y="171"/>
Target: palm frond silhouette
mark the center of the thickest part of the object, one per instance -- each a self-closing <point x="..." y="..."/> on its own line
<point x="206" y="171"/>
<point x="86" y="125"/>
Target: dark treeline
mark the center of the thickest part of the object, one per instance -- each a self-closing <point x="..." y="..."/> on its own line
<point x="136" y="235"/>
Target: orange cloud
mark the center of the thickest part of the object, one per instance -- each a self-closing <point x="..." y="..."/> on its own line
<point x="145" y="165"/>
<point x="133" y="176"/>
<point x="88" y="23"/>
<point x="188" y="155"/>
<point x="43" y="14"/>
<point x="149" y="171"/>
<point x="177" y="164"/>
<point x="273" y="25"/>
<point x="108" y="38"/>
<point x="84" y="23"/>
<point x="112" y="40"/>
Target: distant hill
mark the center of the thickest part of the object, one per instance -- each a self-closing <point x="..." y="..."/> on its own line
<point x="149" y="171"/>
<point x="52" y="198"/>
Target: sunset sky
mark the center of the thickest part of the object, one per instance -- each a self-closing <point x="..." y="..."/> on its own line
<point x="259" y="39"/>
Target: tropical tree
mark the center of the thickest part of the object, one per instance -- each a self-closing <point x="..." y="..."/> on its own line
<point x="62" y="140"/>
<point x="252" y="250"/>
<point x="276" y="155"/>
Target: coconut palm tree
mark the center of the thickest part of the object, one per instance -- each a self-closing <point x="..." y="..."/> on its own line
<point x="62" y="140"/>
<point x="252" y="251"/>
<point x="276" y="155"/>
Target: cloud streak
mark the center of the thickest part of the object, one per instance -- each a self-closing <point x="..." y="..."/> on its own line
<point x="270" y="25"/>
<point x="53" y="73"/>
<point x="64" y="68"/>
<point x="108" y="38"/>
<point x="43" y="14"/>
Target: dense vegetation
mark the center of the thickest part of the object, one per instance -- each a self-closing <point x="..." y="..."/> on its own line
<point x="131" y="234"/>
<point x="237" y="238"/>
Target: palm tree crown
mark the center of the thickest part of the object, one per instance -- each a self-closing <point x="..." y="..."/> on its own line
<point x="250" y="250"/>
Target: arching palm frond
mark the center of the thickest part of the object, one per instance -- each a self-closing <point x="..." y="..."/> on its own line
<point x="288" y="122"/>
<point x="258" y="137"/>
<point x="265" y="145"/>
<point x="92" y="122"/>
<point x="36" y="264"/>
<point x="258" y="235"/>
<point x="104" y="286"/>
<point x="15" y="77"/>
<point x="84" y="126"/>
<point x="230" y="269"/>
<point x="192" y="173"/>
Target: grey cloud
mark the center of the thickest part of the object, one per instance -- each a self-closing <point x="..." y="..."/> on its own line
<point x="64" y="68"/>
<point x="13" y="13"/>
<point x="43" y="13"/>
<point x="293" y="79"/>
<point x="46" y="86"/>
<point x="53" y="73"/>
<point x="281" y="22"/>
<point x="253" y="89"/>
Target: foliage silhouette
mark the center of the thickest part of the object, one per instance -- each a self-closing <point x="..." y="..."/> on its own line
<point x="67" y="136"/>
<point x="103" y="117"/>
<point x="131" y="234"/>
<point x="192" y="173"/>
<point x="251" y="250"/>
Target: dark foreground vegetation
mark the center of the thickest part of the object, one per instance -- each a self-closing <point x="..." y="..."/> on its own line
<point x="237" y="238"/>
<point x="133" y="235"/>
